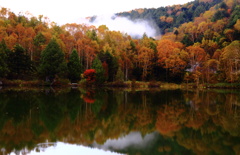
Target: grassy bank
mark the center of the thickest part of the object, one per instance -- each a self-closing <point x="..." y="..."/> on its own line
<point x="34" y="83"/>
<point x="164" y="85"/>
<point x="120" y="84"/>
<point x="143" y="85"/>
<point x="224" y="85"/>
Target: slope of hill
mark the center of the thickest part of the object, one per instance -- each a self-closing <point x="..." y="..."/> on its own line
<point x="173" y="16"/>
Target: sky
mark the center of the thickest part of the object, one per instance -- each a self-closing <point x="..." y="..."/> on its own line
<point x="70" y="11"/>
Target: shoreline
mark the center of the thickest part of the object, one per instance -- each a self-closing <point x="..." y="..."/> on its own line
<point x="126" y="84"/>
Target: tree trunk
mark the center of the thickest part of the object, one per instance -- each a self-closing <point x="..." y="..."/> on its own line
<point x="126" y="74"/>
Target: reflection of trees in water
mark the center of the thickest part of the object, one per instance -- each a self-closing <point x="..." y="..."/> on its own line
<point x="201" y="121"/>
<point x="211" y="124"/>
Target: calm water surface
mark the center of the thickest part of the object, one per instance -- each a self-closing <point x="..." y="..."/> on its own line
<point x="76" y="121"/>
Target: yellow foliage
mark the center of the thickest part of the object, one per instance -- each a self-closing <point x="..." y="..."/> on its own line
<point x="237" y="25"/>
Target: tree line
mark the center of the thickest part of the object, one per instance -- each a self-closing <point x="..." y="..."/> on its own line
<point x="204" y="49"/>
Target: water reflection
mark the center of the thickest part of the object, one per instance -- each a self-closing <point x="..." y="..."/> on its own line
<point x="60" y="148"/>
<point x="128" y="122"/>
<point x="132" y="140"/>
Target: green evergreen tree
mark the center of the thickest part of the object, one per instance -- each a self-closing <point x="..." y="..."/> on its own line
<point x="97" y="65"/>
<point x="112" y="64"/>
<point x="235" y="15"/>
<point x="38" y="41"/>
<point x="200" y="9"/>
<point x="74" y="67"/>
<point x="52" y="62"/>
<point x="19" y="63"/>
<point x="3" y="60"/>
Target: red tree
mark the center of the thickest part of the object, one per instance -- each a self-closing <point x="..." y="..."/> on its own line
<point x="90" y="75"/>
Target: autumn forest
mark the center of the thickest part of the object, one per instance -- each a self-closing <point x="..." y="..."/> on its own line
<point x="199" y="43"/>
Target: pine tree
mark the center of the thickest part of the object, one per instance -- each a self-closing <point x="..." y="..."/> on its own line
<point x="3" y="57"/>
<point x="97" y="65"/>
<point x="74" y="67"/>
<point x="112" y="66"/>
<point x="19" y="63"/>
<point x="52" y="62"/>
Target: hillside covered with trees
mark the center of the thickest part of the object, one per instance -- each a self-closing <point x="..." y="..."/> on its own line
<point x="200" y="43"/>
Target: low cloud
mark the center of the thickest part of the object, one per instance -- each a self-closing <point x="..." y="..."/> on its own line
<point x="135" y="28"/>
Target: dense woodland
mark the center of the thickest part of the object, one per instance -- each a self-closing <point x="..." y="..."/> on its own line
<point x="200" y="43"/>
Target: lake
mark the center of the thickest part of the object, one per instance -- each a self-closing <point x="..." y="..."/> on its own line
<point x="105" y="121"/>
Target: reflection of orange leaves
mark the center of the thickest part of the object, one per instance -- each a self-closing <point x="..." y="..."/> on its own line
<point x="169" y="120"/>
<point x="15" y="134"/>
<point x="89" y="97"/>
<point x="144" y="117"/>
<point x="8" y="128"/>
<point x="167" y="125"/>
<point x="195" y="122"/>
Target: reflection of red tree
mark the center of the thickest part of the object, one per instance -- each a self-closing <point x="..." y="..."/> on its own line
<point x="89" y="97"/>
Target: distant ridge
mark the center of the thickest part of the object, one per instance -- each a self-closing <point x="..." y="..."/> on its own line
<point x="169" y="17"/>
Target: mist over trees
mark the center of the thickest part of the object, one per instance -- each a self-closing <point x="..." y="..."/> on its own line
<point x="199" y="43"/>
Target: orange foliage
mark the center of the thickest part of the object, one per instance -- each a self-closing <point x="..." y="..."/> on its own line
<point x="198" y="20"/>
<point x="145" y="57"/>
<point x="140" y="11"/>
<point x="197" y="54"/>
<point x="163" y="18"/>
<point x="165" y="49"/>
<point x="11" y="40"/>
<point x="169" y="19"/>
<point x="3" y="33"/>
<point x="170" y="55"/>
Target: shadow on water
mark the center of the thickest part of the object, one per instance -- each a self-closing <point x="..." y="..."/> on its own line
<point x="129" y="122"/>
